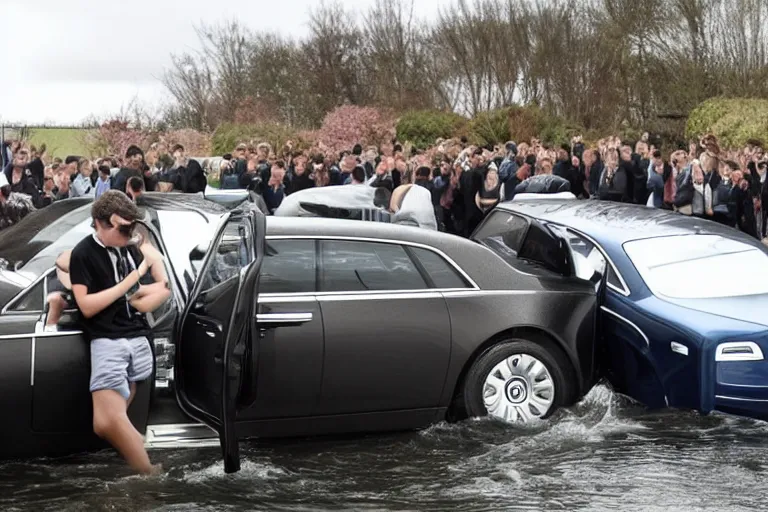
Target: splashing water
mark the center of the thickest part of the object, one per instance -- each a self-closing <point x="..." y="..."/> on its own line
<point x="604" y="453"/>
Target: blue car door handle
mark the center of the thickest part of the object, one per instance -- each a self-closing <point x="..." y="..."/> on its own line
<point x="678" y="348"/>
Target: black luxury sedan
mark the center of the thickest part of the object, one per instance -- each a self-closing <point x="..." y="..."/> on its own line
<point x="286" y="326"/>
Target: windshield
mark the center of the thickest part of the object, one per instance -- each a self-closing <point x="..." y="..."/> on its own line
<point x="698" y="266"/>
<point x="21" y="243"/>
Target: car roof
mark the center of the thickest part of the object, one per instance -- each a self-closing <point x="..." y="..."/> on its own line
<point x="615" y="223"/>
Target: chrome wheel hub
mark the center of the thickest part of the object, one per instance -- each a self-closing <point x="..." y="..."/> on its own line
<point x="519" y="389"/>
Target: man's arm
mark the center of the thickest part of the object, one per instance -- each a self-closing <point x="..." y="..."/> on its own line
<point x="150" y="297"/>
<point x="91" y="304"/>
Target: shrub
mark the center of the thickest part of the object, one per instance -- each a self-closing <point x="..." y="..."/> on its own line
<point x="734" y="121"/>
<point x="422" y="128"/>
<point x="490" y="127"/>
<point x="195" y="143"/>
<point x="114" y="137"/>
<point x="348" y="125"/>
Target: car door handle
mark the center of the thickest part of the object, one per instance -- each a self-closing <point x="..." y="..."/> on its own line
<point x="678" y="348"/>
<point x="268" y="320"/>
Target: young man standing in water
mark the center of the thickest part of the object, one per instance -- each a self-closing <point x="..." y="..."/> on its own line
<point x="105" y="272"/>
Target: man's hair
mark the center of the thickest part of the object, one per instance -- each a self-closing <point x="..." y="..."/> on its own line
<point x="358" y="174"/>
<point x="177" y="147"/>
<point x="279" y="164"/>
<point x="656" y="153"/>
<point x="104" y="169"/>
<point x="114" y="202"/>
<point x="133" y="150"/>
<point x="72" y="159"/>
<point x="423" y="172"/>
<point x="136" y="183"/>
<point x="357" y="150"/>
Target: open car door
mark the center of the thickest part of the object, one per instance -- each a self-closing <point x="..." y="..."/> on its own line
<point x="216" y="336"/>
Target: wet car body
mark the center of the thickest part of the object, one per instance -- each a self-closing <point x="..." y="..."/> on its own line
<point x="287" y="327"/>
<point x="683" y="320"/>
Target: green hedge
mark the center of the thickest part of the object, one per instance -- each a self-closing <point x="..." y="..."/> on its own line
<point x="734" y="121"/>
<point x="422" y="127"/>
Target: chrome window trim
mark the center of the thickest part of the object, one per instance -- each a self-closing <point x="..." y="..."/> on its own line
<point x="628" y="322"/>
<point x="467" y="278"/>
<point x="624" y="290"/>
<point x="285" y="298"/>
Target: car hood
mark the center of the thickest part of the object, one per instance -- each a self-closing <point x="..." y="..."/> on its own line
<point x="745" y="308"/>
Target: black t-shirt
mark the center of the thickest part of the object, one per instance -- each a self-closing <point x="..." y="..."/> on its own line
<point x="92" y="265"/>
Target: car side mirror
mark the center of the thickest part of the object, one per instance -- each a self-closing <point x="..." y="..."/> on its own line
<point x="198" y="253"/>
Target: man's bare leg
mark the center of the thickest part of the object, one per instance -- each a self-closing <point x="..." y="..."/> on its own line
<point x="110" y="422"/>
<point x="132" y="395"/>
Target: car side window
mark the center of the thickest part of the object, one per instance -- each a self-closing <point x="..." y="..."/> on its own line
<point x="288" y="267"/>
<point x="442" y="273"/>
<point x="168" y="305"/>
<point x="367" y="266"/>
<point x="230" y="256"/>
<point x="32" y="301"/>
<point x="503" y="233"/>
<point x="613" y="279"/>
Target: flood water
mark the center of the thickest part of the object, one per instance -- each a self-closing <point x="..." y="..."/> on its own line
<point x="603" y="454"/>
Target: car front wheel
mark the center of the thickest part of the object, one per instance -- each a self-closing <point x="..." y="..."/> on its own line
<point x="518" y="381"/>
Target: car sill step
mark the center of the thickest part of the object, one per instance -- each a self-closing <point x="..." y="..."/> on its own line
<point x="192" y="435"/>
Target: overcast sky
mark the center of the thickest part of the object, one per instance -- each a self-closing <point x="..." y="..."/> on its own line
<point x="66" y="60"/>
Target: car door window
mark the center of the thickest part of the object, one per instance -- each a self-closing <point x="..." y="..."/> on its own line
<point x="31" y="300"/>
<point x="288" y="267"/>
<point x="367" y="266"/>
<point x="442" y="273"/>
<point x="231" y="255"/>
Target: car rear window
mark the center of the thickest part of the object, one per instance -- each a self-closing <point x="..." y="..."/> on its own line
<point x="699" y="266"/>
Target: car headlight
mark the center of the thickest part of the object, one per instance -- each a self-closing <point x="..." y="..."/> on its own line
<point x="738" y="351"/>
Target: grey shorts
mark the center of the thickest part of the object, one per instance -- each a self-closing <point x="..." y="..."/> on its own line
<point x="116" y="363"/>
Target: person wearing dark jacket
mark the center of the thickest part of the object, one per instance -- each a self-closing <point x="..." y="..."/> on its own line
<point x="301" y="179"/>
<point x="568" y="168"/>
<point x="134" y="163"/>
<point x="20" y="180"/>
<point x="656" y="185"/>
<point x="593" y="169"/>
<point x="544" y="182"/>
<point x="523" y="173"/>
<point x="637" y="178"/>
<point x="614" y="180"/>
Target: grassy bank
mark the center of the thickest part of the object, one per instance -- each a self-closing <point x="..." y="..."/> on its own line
<point x="60" y="142"/>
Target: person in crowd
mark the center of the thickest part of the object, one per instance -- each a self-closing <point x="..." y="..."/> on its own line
<point x="62" y="182"/>
<point x="543" y="182"/>
<point x="135" y="187"/>
<point x="104" y="182"/>
<point x="106" y="273"/>
<point x="20" y="180"/>
<point x="47" y="194"/>
<point x="133" y="166"/>
<point x="701" y="203"/>
<point x="36" y="164"/>
<point x="193" y="180"/>
<point x="491" y="192"/>
<point x="656" y="185"/>
<point x="614" y="181"/>
<point x="301" y="176"/>
<point x="14" y="206"/>
<point x="382" y="177"/>
<point x="593" y="169"/>
<point x="568" y="168"/>
<point x="358" y="175"/>
<point x="275" y="189"/>
<point x="82" y="185"/>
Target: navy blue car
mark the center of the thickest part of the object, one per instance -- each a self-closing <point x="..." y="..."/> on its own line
<point x="684" y="319"/>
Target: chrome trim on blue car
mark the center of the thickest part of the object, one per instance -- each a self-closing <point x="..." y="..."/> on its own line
<point x="628" y="322"/>
<point x="738" y="399"/>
